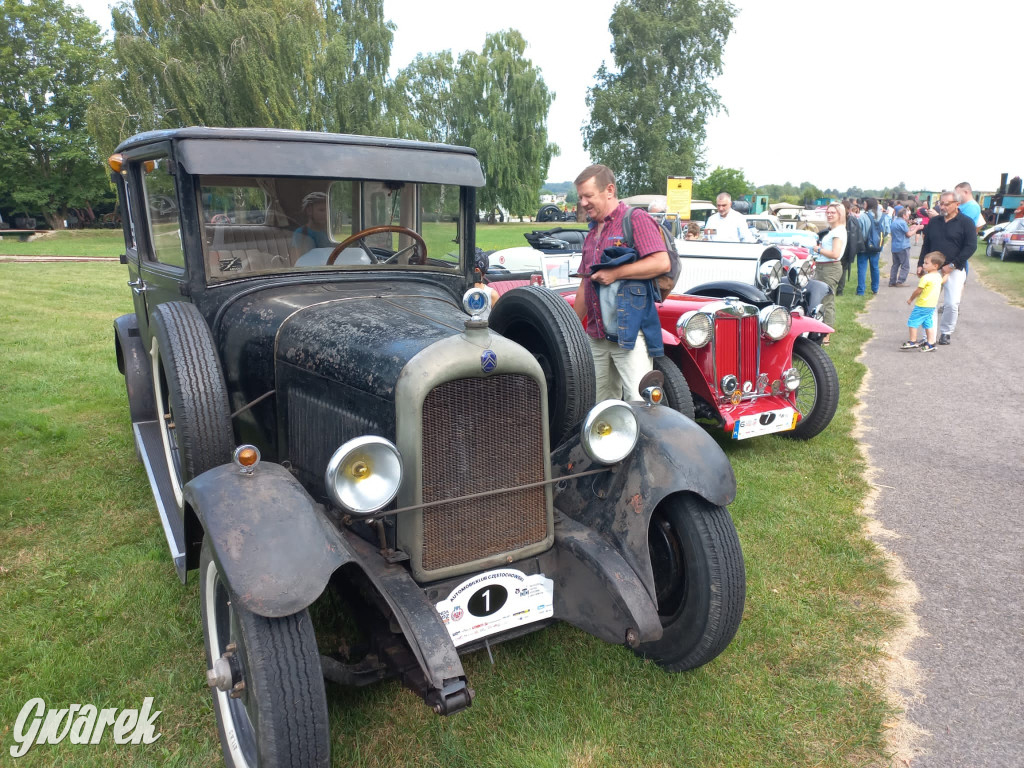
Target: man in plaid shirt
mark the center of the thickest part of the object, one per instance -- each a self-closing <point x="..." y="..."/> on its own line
<point x="617" y="368"/>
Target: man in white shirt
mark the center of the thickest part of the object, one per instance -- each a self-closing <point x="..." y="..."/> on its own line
<point x="727" y="225"/>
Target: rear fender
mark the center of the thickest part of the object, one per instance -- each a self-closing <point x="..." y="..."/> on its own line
<point x="135" y="364"/>
<point x="672" y="455"/>
<point x="277" y="551"/>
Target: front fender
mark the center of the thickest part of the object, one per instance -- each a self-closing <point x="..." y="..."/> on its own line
<point x="274" y="546"/>
<point x="672" y="455"/>
<point x="803" y="324"/>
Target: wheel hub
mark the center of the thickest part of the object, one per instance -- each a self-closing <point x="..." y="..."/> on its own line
<point x="226" y="674"/>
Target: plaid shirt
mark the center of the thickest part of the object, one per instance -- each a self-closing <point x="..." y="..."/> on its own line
<point x="647" y="239"/>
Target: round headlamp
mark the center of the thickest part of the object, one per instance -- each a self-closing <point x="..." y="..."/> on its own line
<point x="476" y="301"/>
<point x="791" y="379"/>
<point x="363" y="475"/>
<point x="769" y="274"/>
<point x="729" y="384"/>
<point x="799" y="277"/>
<point x="775" y="322"/>
<point x="610" y="432"/>
<point x="695" y="328"/>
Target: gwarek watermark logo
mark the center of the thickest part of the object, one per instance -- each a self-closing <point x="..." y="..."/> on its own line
<point x="82" y="724"/>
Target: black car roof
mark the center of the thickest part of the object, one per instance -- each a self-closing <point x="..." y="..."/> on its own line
<point x="278" y="152"/>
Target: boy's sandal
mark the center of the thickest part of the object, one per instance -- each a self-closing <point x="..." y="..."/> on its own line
<point x="909" y="345"/>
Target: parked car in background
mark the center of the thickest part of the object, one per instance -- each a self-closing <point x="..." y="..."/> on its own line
<point x="1009" y="241"/>
<point x="699" y="209"/>
<point x="345" y="445"/>
<point x="734" y="368"/>
<point x="768" y="229"/>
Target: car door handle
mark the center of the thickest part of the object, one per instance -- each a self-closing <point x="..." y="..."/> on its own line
<point x="138" y="286"/>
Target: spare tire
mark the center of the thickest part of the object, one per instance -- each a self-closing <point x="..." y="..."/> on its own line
<point x="549" y="213"/>
<point x="541" y="321"/>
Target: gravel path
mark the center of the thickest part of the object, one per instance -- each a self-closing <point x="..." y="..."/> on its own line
<point x="945" y="436"/>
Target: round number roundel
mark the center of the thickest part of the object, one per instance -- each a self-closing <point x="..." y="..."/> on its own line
<point x="488" y="600"/>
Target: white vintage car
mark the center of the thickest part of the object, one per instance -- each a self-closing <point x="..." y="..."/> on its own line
<point x="770" y="230"/>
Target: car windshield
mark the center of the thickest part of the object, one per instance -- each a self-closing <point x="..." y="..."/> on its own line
<point x="265" y="225"/>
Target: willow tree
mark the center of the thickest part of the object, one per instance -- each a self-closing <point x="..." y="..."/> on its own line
<point x="648" y="114"/>
<point x="301" y="64"/>
<point x="502" y="109"/>
<point x="353" y="66"/>
<point x="49" y="56"/>
<point x="424" y="105"/>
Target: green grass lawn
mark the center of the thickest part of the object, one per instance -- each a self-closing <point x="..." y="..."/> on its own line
<point x="1006" y="277"/>
<point x="93" y="612"/>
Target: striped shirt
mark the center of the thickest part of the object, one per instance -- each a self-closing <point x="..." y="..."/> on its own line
<point x="647" y="239"/>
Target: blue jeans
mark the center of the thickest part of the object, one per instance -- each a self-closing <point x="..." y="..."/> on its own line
<point x="862" y="261"/>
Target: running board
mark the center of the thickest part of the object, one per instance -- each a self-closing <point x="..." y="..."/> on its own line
<point x="150" y="445"/>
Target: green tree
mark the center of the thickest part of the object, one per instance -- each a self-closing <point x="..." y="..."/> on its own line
<point x="301" y="64"/>
<point x="49" y="57"/>
<point x="425" y="107"/>
<point x="354" y="65"/>
<point x="647" y="118"/>
<point x="722" y="180"/>
<point x="501" y="107"/>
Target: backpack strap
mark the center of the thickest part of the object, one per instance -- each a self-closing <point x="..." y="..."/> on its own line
<point x="627" y="228"/>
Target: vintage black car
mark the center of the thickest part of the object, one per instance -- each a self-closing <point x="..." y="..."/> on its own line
<point x="373" y="471"/>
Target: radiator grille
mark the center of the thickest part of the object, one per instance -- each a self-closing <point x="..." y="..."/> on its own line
<point x="736" y="348"/>
<point x="481" y="435"/>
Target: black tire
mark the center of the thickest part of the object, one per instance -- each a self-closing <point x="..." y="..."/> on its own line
<point x="699" y="579"/>
<point x="818" y="395"/>
<point x="989" y="250"/>
<point x="279" y="718"/>
<point x="677" y="391"/>
<point x="543" y="322"/>
<point x="549" y="213"/>
<point x="191" y="397"/>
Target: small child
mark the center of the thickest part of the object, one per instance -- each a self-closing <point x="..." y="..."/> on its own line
<point x="927" y="295"/>
<point x="692" y="231"/>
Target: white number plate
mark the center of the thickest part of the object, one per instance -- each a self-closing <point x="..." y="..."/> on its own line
<point x="765" y="423"/>
<point x="495" y="601"/>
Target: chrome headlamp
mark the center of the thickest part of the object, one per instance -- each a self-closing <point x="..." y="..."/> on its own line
<point x="610" y="432"/>
<point x="775" y="322"/>
<point x="800" y="277"/>
<point x="695" y="328"/>
<point x="769" y="274"/>
<point x="364" y="474"/>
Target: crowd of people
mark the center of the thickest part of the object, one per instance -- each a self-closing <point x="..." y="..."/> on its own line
<point x="858" y="231"/>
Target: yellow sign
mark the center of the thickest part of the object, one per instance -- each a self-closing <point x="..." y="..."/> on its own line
<point x="679" y="195"/>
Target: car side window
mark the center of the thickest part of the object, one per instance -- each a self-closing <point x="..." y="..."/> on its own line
<point x="161" y="204"/>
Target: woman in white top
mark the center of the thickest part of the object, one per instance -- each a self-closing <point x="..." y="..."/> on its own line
<point x="827" y="257"/>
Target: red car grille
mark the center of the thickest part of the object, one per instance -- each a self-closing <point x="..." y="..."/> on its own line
<point x="460" y="456"/>
<point x="736" y="347"/>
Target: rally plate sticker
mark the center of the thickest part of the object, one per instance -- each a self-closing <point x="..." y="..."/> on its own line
<point x="765" y="423"/>
<point x="495" y="601"/>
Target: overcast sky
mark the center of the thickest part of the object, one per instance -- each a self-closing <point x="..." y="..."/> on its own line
<point x="866" y="94"/>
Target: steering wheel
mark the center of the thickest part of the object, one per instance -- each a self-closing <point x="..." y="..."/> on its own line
<point x="359" y="236"/>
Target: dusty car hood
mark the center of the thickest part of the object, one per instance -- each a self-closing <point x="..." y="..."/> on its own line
<point x="360" y="334"/>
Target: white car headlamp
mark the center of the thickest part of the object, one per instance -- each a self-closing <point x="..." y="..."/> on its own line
<point x="695" y="328"/>
<point x="364" y="474"/>
<point x="769" y="274"/>
<point x="610" y="432"/>
<point x="775" y="322"/>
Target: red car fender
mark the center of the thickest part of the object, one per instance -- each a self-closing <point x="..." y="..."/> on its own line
<point x="804" y="324"/>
